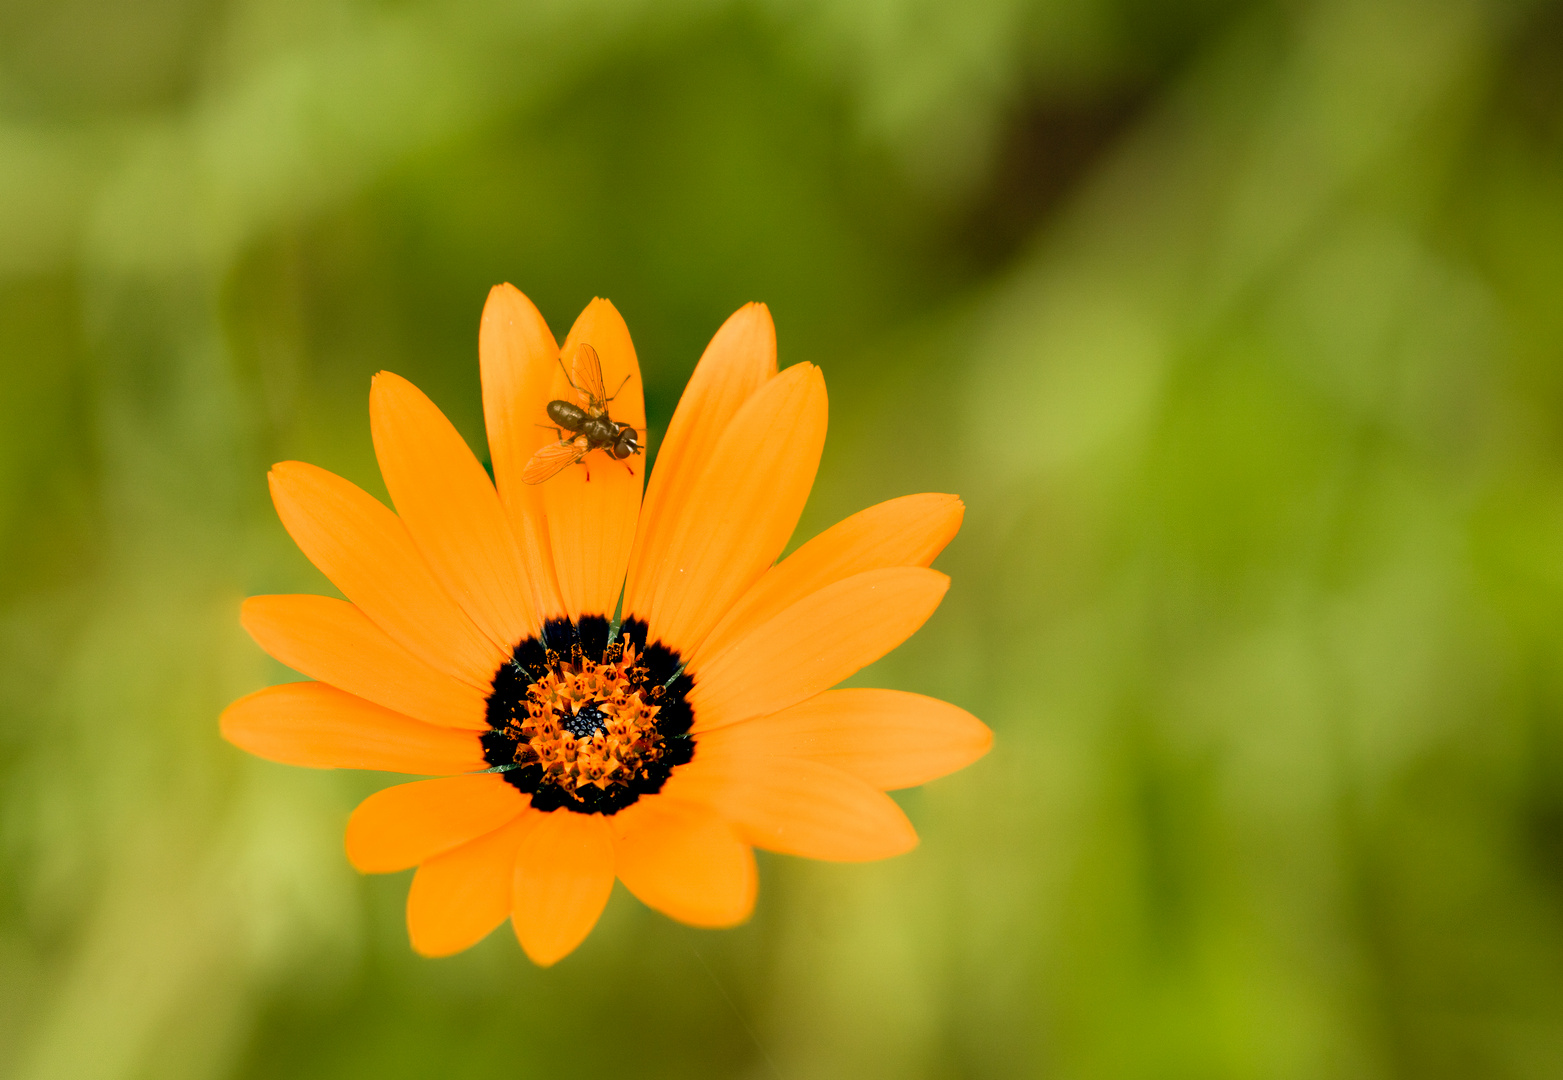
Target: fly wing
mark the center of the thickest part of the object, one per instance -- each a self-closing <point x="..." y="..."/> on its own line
<point x="586" y="373"/>
<point x="551" y="459"/>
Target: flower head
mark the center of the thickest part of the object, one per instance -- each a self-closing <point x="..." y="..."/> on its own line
<point x="604" y="685"/>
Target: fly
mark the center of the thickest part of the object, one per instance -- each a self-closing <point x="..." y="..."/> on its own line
<point x="591" y="427"/>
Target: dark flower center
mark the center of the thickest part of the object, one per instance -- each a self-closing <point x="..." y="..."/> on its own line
<point x="579" y="721"/>
<point x="589" y="721"/>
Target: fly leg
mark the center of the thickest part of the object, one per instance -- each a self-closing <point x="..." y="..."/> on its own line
<point x="566" y="371"/>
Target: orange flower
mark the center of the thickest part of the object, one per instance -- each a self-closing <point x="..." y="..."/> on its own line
<point x="479" y="644"/>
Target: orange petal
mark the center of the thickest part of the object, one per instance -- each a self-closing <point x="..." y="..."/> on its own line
<point x="447" y="503"/>
<point x="592" y="506"/>
<point x="458" y="898"/>
<point x="518" y="357"/>
<point x="331" y="640"/>
<point x="366" y="552"/>
<point x="909" y="531"/>
<point x="740" y="512"/>
<point x="795" y="806"/>
<point x="740" y="359"/>
<point x="321" y="727"/>
<point x="564" y="873"/>
<point x="886" y="738"/>
<point x="815" y="643"/>
<point x="683" y="860"/>
<point x="404" y="825"/>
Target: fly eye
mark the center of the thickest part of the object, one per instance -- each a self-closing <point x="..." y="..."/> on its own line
<point x="621" y="450"/>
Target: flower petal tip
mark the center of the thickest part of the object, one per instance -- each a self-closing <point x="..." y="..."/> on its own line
<point x="431" y="950"/>
<point x="228" y="726"/>
<point x="504" y="304"/>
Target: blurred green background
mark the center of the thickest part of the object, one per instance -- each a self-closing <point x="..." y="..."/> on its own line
<point x="1238" y="325"/>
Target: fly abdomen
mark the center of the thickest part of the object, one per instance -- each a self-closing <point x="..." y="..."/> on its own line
<point x="567" y="416"/>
